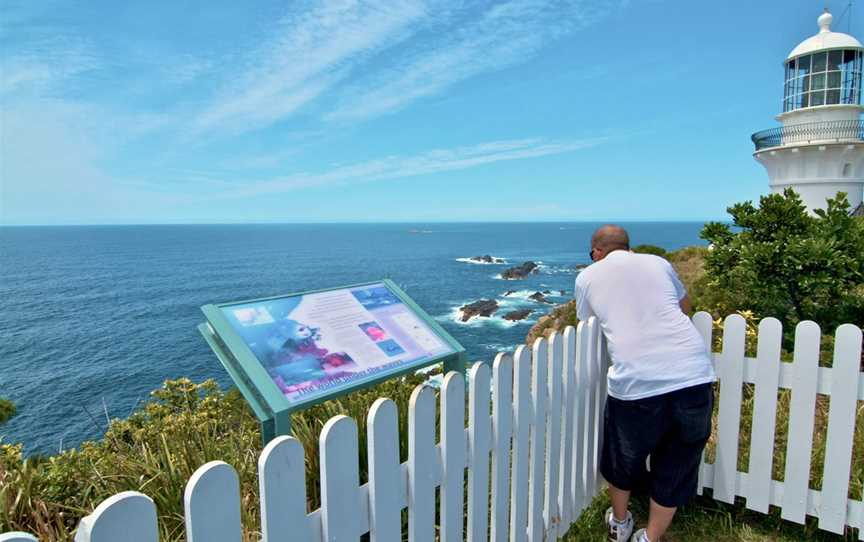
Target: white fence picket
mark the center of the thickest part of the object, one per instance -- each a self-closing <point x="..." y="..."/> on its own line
<point x="422" y="465"/>
<point x="801" y="414"/>
<point x="521" y="432"/>
<point x="705" y="326"/>
<point x="764" y="415"/>
<point x="730" y="369"/>
<point x="538" y="440"/>
<point x="580" y="425"/>
<point x="502" y="429"/>
<point x="385" y="488"/>
<point x="603" y="364"/>
<point x="551" y="514"/>
<point x="128" y="516"/>
<point x="452" y="457"/>
<point x="592" y="415"/>
<point x="212" y="500"/>
<point x="282" y="485"/>
<point x="841" y="428"/>
<point x="341" y="502"/>
<point x="479" y="440"/>
<point x="565" y="489"/>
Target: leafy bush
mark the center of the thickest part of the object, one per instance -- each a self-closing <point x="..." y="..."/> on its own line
<point x="7" y="410"/>
<point x="779" y="261"/>
<point x="650" y="249"/>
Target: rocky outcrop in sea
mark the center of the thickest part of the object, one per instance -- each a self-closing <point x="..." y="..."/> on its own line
<point x="486" y="259"/>
<point x="515" y="316"/>
<point x="520" y="271"/>
<point x="484" y="308"/>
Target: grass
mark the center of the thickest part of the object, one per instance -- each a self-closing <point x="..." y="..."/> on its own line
<point x="705" y="520"/>
<point x="157" y="449"/>
<point x="7" y="410"/>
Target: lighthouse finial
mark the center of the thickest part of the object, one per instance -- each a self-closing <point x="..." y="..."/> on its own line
<point x="824" y="21"/>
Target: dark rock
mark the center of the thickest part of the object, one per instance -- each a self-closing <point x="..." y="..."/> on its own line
<point x="563" y="292"/>
<point x="539" y="297"/>
<point x="515" y="316"/>
<point x="509" y="292"/>
<point x="580" y="266"/>
<point x="520" y="271"/>
<point x="486" y="259"/>
<point x="546" y="292"/>
<point x="483" y="307"/>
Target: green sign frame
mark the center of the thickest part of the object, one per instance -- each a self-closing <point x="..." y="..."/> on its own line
<point x="265" y="398"/>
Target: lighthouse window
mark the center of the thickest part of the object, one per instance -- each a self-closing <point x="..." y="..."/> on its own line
<point x="817" y="81"/>
<point x="803" y="65"/>
<point x="819" y="62"/>
<point x="835" y="58"/>
<point x="825" y="78"/>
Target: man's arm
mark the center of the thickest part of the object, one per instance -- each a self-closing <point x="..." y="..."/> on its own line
<point x="583" y="308"/>
<point x="686" y="306"/>
<point x="680" y="291"/>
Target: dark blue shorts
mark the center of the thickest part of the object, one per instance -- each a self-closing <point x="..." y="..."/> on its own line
<point x="671" y="428"/>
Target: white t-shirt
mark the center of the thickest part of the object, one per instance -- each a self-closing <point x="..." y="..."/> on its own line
<point x="655" y="348"/>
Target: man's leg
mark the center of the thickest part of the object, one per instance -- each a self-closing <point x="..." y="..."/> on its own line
<point x="659" y="518"/>
<point x="620" y="500"/>
<point x="676" y="460"/>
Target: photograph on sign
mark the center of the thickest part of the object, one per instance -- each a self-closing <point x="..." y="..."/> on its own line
<point x="310" y="344"/>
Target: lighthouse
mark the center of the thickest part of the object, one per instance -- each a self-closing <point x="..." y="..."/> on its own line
<point x="819" y="149"/>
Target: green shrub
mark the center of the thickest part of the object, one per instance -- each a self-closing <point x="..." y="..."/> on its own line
<point x="7" y="410"/>
<point x="650" y="249"/>
<point x="777" y="260"/>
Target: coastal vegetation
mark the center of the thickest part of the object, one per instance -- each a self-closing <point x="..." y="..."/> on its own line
<point x="7" y="410"/>
<point x="155" y="451"/>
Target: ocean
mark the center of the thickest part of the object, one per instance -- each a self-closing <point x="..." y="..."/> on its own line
<point x="92" y="318"/>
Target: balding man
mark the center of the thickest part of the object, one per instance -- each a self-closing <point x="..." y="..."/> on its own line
<point x="660" y="392"/>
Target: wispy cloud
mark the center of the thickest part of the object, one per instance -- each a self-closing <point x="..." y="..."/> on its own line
<point x="401" y="167"/>
<point x="45" y="66"/>
<point x="505" y="34"/>
<point x="310" y="52"/>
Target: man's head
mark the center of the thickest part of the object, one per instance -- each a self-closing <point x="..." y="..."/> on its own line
<point x="606" y="239"/>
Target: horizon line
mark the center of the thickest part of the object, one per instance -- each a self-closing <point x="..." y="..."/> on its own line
<point x="359" y="222"/>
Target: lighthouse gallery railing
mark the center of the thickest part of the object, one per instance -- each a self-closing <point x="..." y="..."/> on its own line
<point x="829" y="131"/>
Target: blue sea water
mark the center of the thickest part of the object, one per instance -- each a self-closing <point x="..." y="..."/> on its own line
<point x="94" y="318"/>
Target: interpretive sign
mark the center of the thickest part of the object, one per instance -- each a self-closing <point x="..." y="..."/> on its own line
<point x="293" y="351"/>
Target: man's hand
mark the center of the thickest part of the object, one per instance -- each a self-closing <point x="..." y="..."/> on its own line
<point x="686" y="306"/>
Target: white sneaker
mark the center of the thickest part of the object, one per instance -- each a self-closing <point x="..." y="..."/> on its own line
<point x="640" y="536"/>
<point x="619" y="532"/>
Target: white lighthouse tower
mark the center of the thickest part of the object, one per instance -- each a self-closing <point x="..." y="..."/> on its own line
<point x="819" y="149"/>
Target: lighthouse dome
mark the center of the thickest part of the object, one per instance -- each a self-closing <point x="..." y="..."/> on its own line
<point x="825" y="39"/>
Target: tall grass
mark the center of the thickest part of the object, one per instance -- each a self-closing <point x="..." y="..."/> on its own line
<point x="157" y="449"/>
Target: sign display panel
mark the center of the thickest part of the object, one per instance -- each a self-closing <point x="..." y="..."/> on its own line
<point x="310" y="344"/>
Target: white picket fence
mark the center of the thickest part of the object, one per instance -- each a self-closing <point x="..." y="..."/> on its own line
<point x="843" y="382"/>
<point x="531" y="461"/>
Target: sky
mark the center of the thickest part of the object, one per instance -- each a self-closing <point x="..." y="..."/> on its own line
<point x="392" y="110"/>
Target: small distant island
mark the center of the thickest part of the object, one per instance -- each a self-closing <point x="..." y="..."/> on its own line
<point x="520" y="271"/>
<point x="487" y="259"/>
